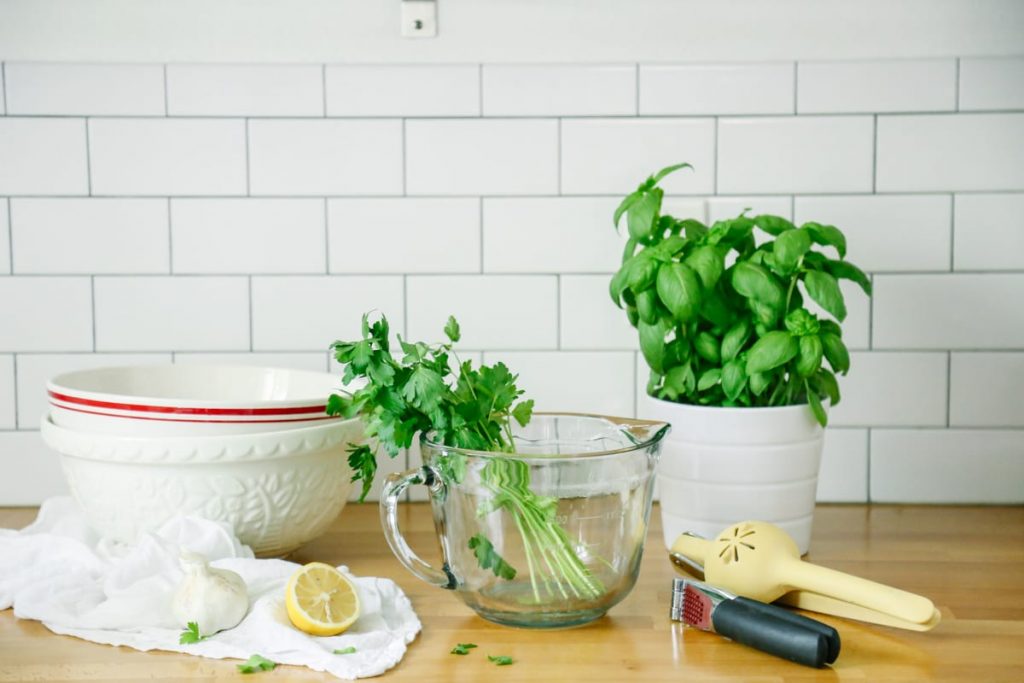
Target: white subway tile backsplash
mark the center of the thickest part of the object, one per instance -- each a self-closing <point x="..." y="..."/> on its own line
<point x="325" y="157"/>
<point x="313" y="360"/>
<point x="941" y="152"/>
<point x="947" y="466"/>
<point x="876" y="86"/>
<point x="765" y="88"/>
<point x="559" y="90"/>
<point x="403" y="90"/>
<point x="245" y="90"/>
<point x="87" y="236"/>
<point x="811" y="154"/>
<point x="248" y="235"/>
<point x="167" y="157"/>
<point x="843" y="477"/>
<point x="309" y="312"/>
<point x="43" y="156"/>
<point x="531" y="235"/>
<point x="172" y="313"/>
<point x="991" y="83"/>
<point x="36" y="369"/>
<point x="989" y="233"/>
<point x="613" y="156"/>
<point x="45" y="314"/>
<point x="8" y="401"/>
<point x="506" y="312"/>
<point x="38" y="473"/>
<point x="720" y="208"/>
<point x="85" y="89"/>
<point x="435" y="235"/>
<point x="488" y="157"/>
<point x="896" y="389"/>
<point x="985" y="389"/>
<point x="5" y="239"/>
<point x="599" y="382"/>
<point x="887" y="232"/>
<point x="962" y="311"/>
<point x="588" y="318"/>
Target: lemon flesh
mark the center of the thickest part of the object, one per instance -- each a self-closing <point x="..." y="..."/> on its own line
<point x="320" y="600"/>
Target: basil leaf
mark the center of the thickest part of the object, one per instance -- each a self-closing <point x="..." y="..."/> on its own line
<point x="789" y="247"/>
<point x="809" y="358"/>
<point x="733" y="379"/>
<point x="734" y="340"/>
<point x="692" y="228"/>
<point x="716" y="309"/>
<point x="641" y="270"/>
<point x="829" y="385"/>
<point x="647" y="305"/>
<point x="836" y="353"/>
<point x="629" y="250"/>
<point x="680" y="291"/>
<point x="754" y="282"/>
<point x="652" y="343"/>
<point x="759" y="381"/>
<point x="848" y="271"/>
<point x="643" y="213"/>
<point x="618" y="284"/>
<point x="815" y="402"/>
<point x="668" y="169"/>
<point x="709" y="379"/>
<point x="624" y="205"/>
<point x="824" y="289"/>
<point x="827" y="235"/>
<point x="708" y="263"/>
<point x="707" y="347"/>
<point x="773" y="225"/>
<point x="770" y="351"/>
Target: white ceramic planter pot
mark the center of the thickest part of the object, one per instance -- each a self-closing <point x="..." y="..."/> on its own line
<point x="725" y="465"/>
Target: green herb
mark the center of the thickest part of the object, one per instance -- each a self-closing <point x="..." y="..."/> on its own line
<point x="191" y="635"/>
<point x="256" y="664"/>
<point x="463" y="648"/>
<point x="500" y="660"/>
<point x="463" y="407"/>
<point x="739" y="335"/>
<point x="345" y="651"/>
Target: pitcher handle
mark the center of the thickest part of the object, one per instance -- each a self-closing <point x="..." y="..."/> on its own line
<point x="394" y="486"/>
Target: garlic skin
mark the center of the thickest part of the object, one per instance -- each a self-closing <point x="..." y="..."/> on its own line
<point x="216" y="599"/>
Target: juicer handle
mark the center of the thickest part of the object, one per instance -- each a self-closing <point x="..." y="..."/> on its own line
<point x="394" y="486"/>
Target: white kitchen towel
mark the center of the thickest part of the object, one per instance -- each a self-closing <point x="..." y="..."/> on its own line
<point x="60" y="572"/>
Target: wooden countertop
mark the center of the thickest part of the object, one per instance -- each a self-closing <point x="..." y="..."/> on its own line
<point x="968" y="560"/>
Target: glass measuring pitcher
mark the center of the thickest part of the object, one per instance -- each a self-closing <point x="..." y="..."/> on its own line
<point x="548" y="536"/>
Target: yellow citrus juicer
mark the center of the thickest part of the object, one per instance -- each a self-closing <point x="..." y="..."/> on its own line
<point x="761" y="561"/>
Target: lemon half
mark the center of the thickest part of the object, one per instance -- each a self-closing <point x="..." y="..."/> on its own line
<point x="320" y="600"/>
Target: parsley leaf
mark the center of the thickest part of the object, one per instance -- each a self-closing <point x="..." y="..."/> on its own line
<point x="191" y="635"/>
<point x="500" y="660"/>
<point x="345" y="651"/>
<point x="451" y="329"/>
<point x="488" y="558"/>
<point x="255" y="664"/>
<point x="463" y="648"/>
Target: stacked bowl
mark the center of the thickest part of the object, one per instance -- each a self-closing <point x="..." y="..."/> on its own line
<point x="249" y="446"/>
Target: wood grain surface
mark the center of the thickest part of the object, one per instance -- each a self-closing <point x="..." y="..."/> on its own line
<point x="969" y="561"/>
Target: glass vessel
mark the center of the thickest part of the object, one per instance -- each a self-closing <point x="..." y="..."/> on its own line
<point x="548" y="536"/>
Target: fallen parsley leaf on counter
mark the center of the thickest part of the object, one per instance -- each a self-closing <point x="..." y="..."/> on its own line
<point x="463" y="648"/>
<point x="345" y="651"/>
<point x="191" y="635"/>
<point x="257" y="663"/>
<point x="500" y="660"/>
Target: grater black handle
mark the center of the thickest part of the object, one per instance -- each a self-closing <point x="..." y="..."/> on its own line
<point x="831" y="635"/>
<point x="738" y="620"/>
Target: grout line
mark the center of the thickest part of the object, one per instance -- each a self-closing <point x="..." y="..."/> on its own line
<point x="405" y="305"/>
<point x="952" y="233"/>
<point x="249" y="282"/>
<point x="868" y="482"/>
<point x="248" y="186"/>
<point x="10" y="236"/>
<point x="480" y="89"/>
<point x="14" y="390"/>
<point x="949" y="387"/>
<point x="558" y="312"/>
<point x="405" y="163"/>
<point x="481" y="201"/>
<point x="636" y="88"/>
<point x="956" y="104"/>
<point x="167" y="106"/>
<point x="3" y="84"/>
<point x="796" y="86"/>
<point x="170" y="239"/>
<point x="718" y="166"/>
<point x="636" y="384"/>
<point x="323" y="86"/>
<point x="88" y="160"/>
<point x="559" y="151"/>
<point x="874" y="154"/>
<point x="871" y="314"/>
<point x="327" y="239"/>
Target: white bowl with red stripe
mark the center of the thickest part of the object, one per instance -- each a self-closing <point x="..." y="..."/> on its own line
<point x="190" y="400"/>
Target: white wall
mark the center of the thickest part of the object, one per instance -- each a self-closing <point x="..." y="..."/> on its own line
<point x="191" y="212"/>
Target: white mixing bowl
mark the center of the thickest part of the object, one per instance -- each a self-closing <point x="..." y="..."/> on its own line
<point x="278" y="490"/>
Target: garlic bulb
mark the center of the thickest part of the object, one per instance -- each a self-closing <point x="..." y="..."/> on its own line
<point x="216" y="599"/>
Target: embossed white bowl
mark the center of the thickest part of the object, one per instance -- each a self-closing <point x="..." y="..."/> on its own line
<point x="278" y="490"/>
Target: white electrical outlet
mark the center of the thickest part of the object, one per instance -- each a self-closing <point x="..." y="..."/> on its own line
<point x="419" y="18"/>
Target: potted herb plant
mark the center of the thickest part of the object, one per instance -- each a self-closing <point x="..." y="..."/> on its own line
<point x="739" y="364"/>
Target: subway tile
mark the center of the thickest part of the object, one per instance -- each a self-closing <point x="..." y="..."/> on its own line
<point x="167" y="157"/>
<point x="486" y="156"/>
<point x="991" y="83"/>
<point x="887" y="232"/>
<point x="551" y="235"/>
<point x="245" y="90"/>
<point x="45" y="314"/>
<point x="812" y="154"/>
<point x="888" y="85"/>
<point x="5" y="238"/>
<point x="894" y="389"/>
<point x="8" y="402"/>
<point x="720" y="208"/>
<point x="989" y="232"/>
<point x="172" y="313"/>
<point x="32" y="470"/>
<point x="843" y="477"/>
<point x="613" y="156"/>
<point x="765" y="88"/>
<point x="950" y="152"/>
<point x="315" y="361"/>
<point x="43" y="156"/>
<point x="36" y="369"/>
<point x="589" y="318"/>
<point x="89" y="236"/>
<point x="506" y="312"/>
<point x="598" y="382"/>
<point x="403" y="90"/>
<point x="85" y="89"/>
<point x="559" y="90"/>
<point x="962" y="311"/>
<point x="985" y="390"/>
<point x="325" y="157"/>
<point x="947" y="466"/>
<point x="248" y="235"/>
<point x="404" y="235"/>
<point x="310" y="312"/>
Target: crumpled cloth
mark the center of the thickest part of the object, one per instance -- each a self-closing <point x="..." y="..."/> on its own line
<point x="61" y="572"/>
